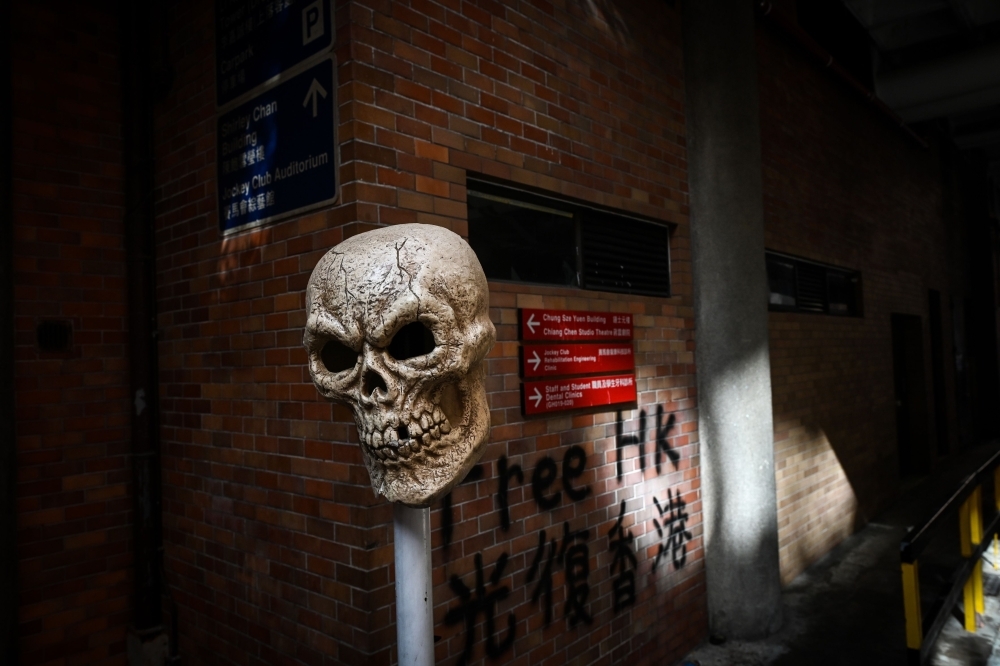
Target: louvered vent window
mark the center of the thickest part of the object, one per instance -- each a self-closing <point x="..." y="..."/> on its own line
<point x="800" y="285"/>
<point x="625" y="255"/>
<point x="528" y="237"/>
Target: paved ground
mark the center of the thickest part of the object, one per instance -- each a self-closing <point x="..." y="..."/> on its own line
<point x="848" y="607"/>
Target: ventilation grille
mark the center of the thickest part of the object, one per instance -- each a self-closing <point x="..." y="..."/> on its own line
<point x="811" y="287"/>
<point x="538" y="238"/>
<point x="625" y="255"/>
<point x="802" y="285"/>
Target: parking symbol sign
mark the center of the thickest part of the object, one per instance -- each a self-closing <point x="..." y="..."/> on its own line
<point x="313" y="25"/>
<point x="254" y="46"/>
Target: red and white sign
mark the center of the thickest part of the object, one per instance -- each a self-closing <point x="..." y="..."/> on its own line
<point x="577" y="359"/>
<point x="575" y="325"/>
<point x="562" y="394"/>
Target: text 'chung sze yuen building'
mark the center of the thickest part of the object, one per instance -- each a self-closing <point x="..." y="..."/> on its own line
<point x="737" y="303"/>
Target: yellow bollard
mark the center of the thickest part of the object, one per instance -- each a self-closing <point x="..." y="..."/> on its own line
<point x="996" y="499"/>
<point x="976" y="534"/>
<point x="976" y="516"/>
<point x="911" y="606"/>
<point x="977" y="586"/>
<point x="969" y="605"/>
<point x="968" y="590"/>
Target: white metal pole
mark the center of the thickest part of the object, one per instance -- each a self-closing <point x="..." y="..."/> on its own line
<point x="414" y="599"/>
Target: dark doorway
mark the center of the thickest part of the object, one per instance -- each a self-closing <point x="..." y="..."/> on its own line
<point x="911" y="394"/>
<point x="963" y="387"/>
<point x="937" y="371"/>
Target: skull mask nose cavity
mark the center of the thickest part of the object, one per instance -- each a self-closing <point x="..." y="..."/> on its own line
<point x="403" y="433"/>
<point x="372" y="382"/>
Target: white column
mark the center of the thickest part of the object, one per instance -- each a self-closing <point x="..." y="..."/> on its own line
<point x="414" y="599"/>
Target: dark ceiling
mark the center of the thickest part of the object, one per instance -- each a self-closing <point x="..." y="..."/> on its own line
<point x="938" y="60"/>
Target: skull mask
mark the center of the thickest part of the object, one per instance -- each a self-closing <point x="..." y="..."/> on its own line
<point x="398" y="327"/>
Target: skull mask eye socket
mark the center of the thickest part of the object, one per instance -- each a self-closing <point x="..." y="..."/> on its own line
<point x="411" y="341"/>
<point x="338" y="357"/>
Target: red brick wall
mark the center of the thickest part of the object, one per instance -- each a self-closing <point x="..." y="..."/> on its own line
<point x="842" y="185"/>
<point x="72" y="422"/>
<point x="277" y="550"/>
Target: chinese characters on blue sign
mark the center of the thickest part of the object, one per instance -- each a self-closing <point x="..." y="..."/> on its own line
<point x="276" y="152"/>
<point x="276" y="128"/>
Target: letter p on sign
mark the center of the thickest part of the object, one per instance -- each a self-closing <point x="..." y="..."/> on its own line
<point x="312" y="22"/>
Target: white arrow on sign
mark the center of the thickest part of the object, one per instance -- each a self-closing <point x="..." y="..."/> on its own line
<point x="537" y="397"/>
<point x="531" y="323"/>
<point x="315" y="92"/>
<point x="535" y="361"/>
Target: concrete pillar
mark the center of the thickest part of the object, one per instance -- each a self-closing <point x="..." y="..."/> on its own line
<point x="730" y="297"/>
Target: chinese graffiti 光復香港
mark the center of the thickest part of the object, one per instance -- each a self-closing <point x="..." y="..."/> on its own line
<point x="572" y="554"/>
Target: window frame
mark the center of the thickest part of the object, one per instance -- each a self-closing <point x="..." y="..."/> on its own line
<point x="829" y="270"/>
<point x="576" y="209"/>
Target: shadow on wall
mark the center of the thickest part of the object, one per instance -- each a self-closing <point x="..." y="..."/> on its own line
<point x="818" y="503"/>
<point x="827" y="478"/>
<point x="835" y="445"/>
<point x="839" y="447"/>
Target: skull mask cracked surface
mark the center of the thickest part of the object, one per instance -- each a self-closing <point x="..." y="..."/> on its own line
<point x="397" y="327"/>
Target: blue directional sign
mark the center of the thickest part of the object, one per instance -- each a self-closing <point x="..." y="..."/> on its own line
<point x="277" y="152"/>
<point x="256" y="40"/>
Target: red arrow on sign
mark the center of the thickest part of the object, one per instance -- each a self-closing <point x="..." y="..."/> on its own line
<point x="575" y="325"/>
<point x="563" y="394"/>
<point x="577" y="359"/>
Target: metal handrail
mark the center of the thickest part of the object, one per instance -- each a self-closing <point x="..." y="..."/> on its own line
<point x="957" y="588"/>
<point x="967" y="502"/>
<point x="919" y="535"/>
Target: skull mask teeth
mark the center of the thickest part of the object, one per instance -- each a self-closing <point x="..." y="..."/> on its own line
<point x="398" y="328"/>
